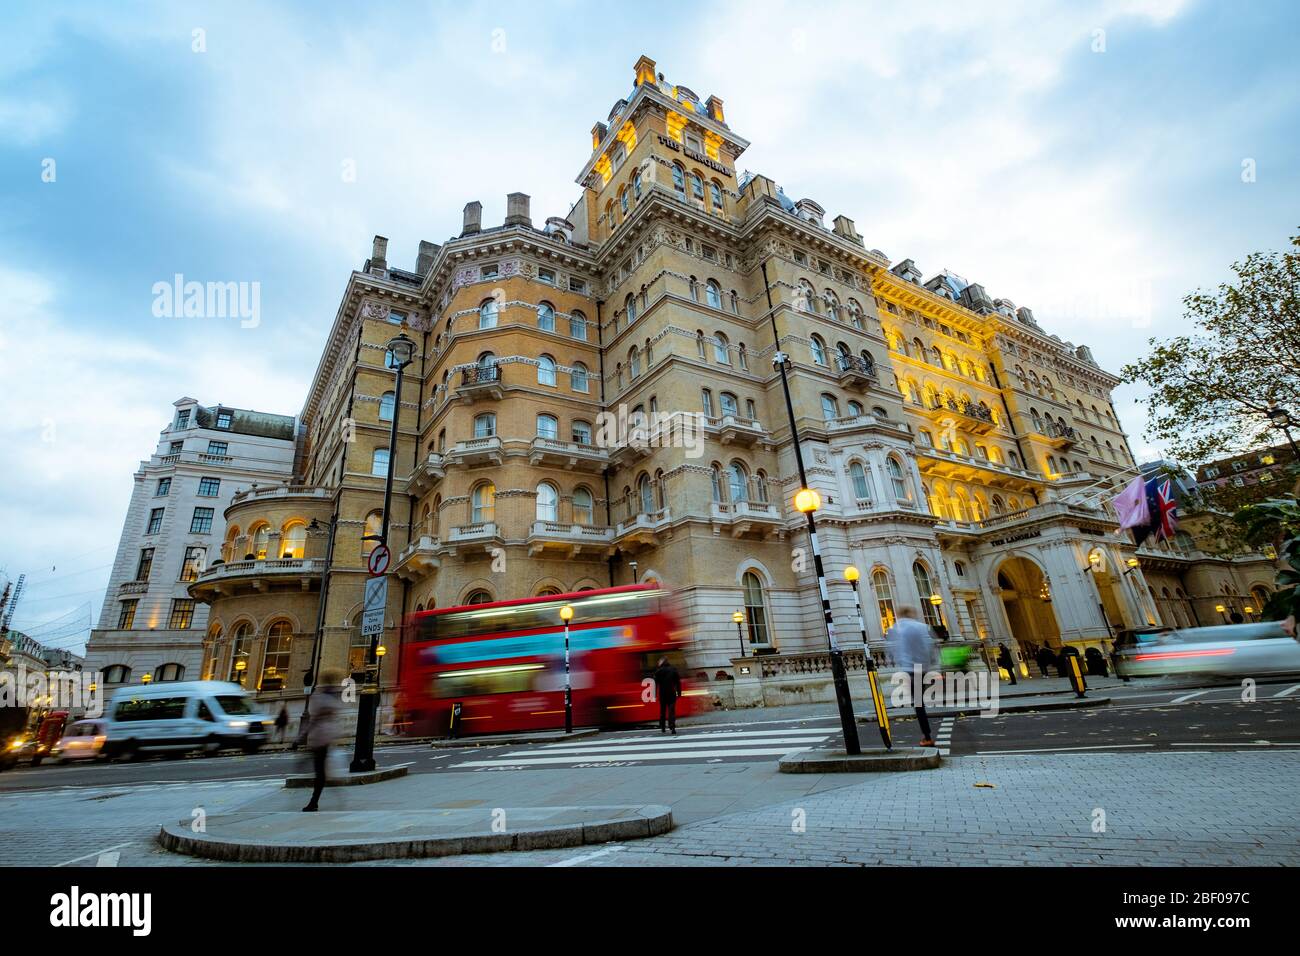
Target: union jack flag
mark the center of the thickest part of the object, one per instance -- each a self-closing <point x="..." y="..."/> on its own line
<point x="1163" y="508"/>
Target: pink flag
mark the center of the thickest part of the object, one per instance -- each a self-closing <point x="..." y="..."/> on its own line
<point x="1131" y="505"/>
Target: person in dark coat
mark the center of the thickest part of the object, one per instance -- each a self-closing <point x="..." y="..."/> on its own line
<point x="281" y="723"/>
<point x="1005" y="660"/>
<point x="668" y="687"/>
<point x="1046" y="661"/>
<point x="321" y="727"/>
<point x="1096" y="663"/>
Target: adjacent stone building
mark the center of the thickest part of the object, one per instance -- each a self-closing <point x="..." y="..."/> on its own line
<point x="150" y="623"/>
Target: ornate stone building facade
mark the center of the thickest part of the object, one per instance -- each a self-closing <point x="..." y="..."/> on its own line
<point x="594" y="401"/>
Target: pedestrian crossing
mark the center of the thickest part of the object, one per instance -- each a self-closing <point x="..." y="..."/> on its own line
<point x="633" y="749"/>
<point x="944" y="736"/>
<point x="150" y="786"/>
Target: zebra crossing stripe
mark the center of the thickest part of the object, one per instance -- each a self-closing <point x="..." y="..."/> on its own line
<point x="589" y="758"/>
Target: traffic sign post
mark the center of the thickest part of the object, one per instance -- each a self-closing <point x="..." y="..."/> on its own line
<point x="377" y="562"/>
<point x="375" y="607"/>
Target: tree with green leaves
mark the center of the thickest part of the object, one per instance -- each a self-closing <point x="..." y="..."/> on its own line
<point x="1277" y="522"/>
<point x="1211" y="389"/>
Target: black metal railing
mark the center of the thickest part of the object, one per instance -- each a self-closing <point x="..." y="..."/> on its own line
<point x="480" y="375"/>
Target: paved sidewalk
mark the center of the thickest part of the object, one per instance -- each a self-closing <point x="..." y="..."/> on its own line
<point x="1158" y="809"/>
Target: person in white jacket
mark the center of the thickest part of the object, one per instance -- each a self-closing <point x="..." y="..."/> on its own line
<point x="911" y="643"/>
<point x="319" y="731"/>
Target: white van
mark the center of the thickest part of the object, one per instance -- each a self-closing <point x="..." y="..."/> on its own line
<point x="180" y="716"/>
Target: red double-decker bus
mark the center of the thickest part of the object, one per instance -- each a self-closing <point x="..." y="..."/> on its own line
<point x="503" y="663"/>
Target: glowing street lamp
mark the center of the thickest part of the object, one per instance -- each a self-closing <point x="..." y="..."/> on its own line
<point x="566" y="615"/>
<point x="146" y="678"/>
<point x="1221" y="609"/>
<point x="739" y="618"/>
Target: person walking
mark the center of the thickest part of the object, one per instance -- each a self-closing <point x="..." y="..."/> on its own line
<point x="911" y="644"/>
<point x="668" y="687"/>
<point x="281" y="723"/>
<point x="321" y="727"/>
<point x="1005" y="660"/>
<point x="1046" y="661"/>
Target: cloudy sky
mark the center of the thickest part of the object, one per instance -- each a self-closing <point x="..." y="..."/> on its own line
<point x="1083" y="159"/>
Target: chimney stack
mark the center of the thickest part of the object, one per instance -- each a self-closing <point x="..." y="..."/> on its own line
<point x="473" y="218"/>
<point x="517" y="213"/>
<point x="424" y="261"/>
<point x="378" y="264"/>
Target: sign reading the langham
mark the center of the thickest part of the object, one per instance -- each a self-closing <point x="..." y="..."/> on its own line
<point x="692" y="154"/>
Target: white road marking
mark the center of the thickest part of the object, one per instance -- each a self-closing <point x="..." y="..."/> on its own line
<point x="588" y="758"/>
<point x="575" y="860"/>
<point x="109" y="859"/>
<point x="944" y="737"/>
<point x="95" y="854"/>
<point x="1288" y="692"/>
<point x="593" y="750"/>
<point x="669" y="740"/>
<point x="1241" y="743"/>
<point x="1052" y="750"/>
<point x="1186" y="697"/>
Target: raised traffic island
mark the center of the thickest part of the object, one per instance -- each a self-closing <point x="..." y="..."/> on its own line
<point x="869" y="761"/>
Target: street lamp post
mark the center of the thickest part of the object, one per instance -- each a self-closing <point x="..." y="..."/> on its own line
<point x="1221" y="609"/>
<point x="566" y="615"/>
<point x="310" y="681"/>
<point x="1282" y="419"/>
<point x="739" y="618"/>
<point x="400" y="353"/>
<point x="882" y="717"/>
<point x="808" y="501"/>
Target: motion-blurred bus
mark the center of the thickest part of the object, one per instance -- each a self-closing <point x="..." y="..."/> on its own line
<point x="493" y="668"/>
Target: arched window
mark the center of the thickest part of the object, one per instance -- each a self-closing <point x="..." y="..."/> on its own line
<point x="578" y="377"/>
<point x="629" y="306"/>
<point x="884" y="588"/>
<point x="582" y="432"/>
<point x="622" y="199"/>
<point x="117" y="674"/>
<point x="713" y="294"/>
<point x="645" y="492"/>
<point x="548" y="426"/>
<point x="387" y="402"/>
<point x="636" y="184"/>
<point x="547" y="502"/>
<point x="275" y="662"/>
<point x="737" y="482"/>
<point x="830" y="407"/>
<point x="487" y="360"/>
<point x="546" y="370"/>
<point x="924" y="589"/>
<point x="578" y="325"/>
<point x="634" y="362"/>
<point x="855" y="314"/>
<point x="697" y="187"/>
<point x="715" y="193"/>
<point x="735" y="302"/>
<point x="485" y="425"/>
<point x="999" y="506"/>
<point x="755" y="609"/>
<point x="727" y="402"/>
<point x="483" y="503"/>
<point x="895" y="469"/>
<point x="699" y="342"/>
<point x="715" y="481"/>
<point x="760" y="487"/>
<point x="546" y="317"/>
<point x="370" y="532"/>
<point x="262" y="533"/>
<point x="293" y="540"/>
<point x="818" y="350"/>
<point x="169" y="672"/>
<point x="583" y="507"/>
<point x="832" y="304"/>
<point x="679" y="181"/>
<point x="845" y="356"/>
<point x="721" y="354"/>
<point x="807" y="298"/>
<point x="861" y="481"/>
<point x="487" y="314"/>
<point x="855" y="409"/>
<point x="239" y="653"/>
<point x="479" y="597"/>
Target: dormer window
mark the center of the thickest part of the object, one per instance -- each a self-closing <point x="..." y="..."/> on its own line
<point x="488" y="271"/>
<point x="223" y="419"/>
<point x="693" y="142"/>
<point x="183" y="418"/>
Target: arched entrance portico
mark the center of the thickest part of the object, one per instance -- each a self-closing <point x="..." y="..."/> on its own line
<point x="1026" y="599"/>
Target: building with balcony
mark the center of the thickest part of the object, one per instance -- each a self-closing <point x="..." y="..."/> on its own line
<point x="594" y="401"/>
<point x="174" y="529"/>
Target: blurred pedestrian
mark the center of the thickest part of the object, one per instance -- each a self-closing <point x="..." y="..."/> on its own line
<point x="668" y="687"/>
<point x="1046" y="661"/>
<point x="321" y="727"/>
<point x="281" y="723"/>
<point x="1005" y="660"/>
<point x="911" y="643"/>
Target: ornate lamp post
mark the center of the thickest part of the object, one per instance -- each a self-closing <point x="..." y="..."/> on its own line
<point x="739" y="618"/>
<point x="1221" y="609"/>
<point x="401" y="352"/>
<point x="1282" y="419"/>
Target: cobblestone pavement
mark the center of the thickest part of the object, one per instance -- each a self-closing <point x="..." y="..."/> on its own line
<point x="1162" y="809"/>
